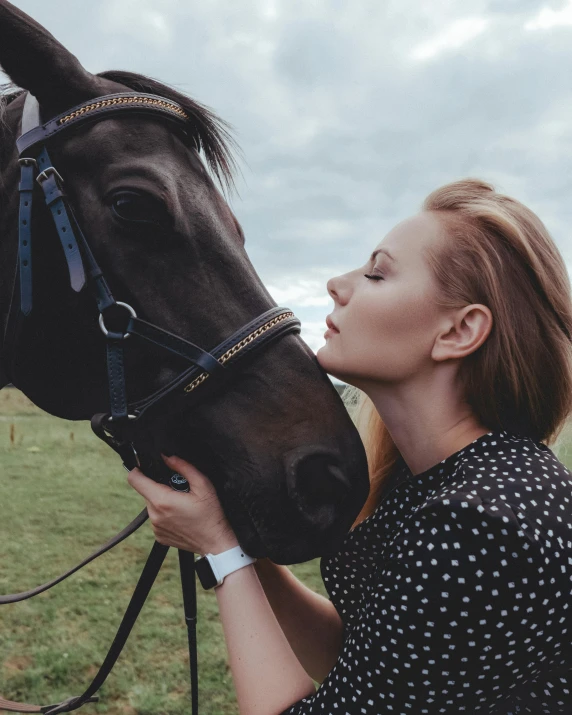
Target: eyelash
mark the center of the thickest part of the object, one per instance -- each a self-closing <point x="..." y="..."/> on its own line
<point x="373" y="277"/>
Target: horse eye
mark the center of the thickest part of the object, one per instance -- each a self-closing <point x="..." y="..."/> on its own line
<point x="139" y="208"/>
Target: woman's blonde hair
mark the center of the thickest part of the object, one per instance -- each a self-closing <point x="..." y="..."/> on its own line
<point x="496" y="252"/>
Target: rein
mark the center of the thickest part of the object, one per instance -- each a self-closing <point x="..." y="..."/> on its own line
<point x="119" y="427"/>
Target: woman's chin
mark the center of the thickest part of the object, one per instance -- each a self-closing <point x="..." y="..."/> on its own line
<point x="322" y="357"/>
<point x="329" y="365"/>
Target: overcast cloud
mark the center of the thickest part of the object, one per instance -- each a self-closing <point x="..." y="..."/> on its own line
<point x="350" y="113"/>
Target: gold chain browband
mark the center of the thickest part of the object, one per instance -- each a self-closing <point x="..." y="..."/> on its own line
<point x="162" y="103"/>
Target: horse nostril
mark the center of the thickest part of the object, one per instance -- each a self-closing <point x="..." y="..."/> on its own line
<point x="315" y="482"/>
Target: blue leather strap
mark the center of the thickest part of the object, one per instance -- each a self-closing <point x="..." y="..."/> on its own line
<point x="26" y="189"/>
<point x="97" y="283"/>
<point x="142" y="589"/>
<point x="54" y="195"/>
<point x="116" y="377"/>
<point x="179" y="346"/>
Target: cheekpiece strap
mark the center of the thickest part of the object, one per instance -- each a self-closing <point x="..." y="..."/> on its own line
<point x="28" y="168"/>
<point x="52" y="186"/>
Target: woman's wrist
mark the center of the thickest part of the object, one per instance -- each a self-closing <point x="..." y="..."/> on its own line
<point x="222" y="543"/>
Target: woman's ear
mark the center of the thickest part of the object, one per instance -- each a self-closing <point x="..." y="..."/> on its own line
<point x="468" y="329"/>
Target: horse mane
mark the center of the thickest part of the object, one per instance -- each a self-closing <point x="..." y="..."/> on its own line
<point x="209" y="134"/>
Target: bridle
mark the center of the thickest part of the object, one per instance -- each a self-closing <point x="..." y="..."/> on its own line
<point x="124" y="418"/>
<point x="119" y="427"/>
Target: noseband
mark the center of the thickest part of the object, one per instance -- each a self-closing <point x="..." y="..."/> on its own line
<point x="120" y="425"/>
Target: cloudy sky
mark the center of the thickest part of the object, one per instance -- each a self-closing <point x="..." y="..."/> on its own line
<point x="350" y="113"/>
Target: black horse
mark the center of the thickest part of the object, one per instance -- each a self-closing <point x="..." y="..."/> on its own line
<point x="283" y="455"/>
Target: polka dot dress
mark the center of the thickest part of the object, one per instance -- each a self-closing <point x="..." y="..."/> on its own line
<point x="456" y="592"/>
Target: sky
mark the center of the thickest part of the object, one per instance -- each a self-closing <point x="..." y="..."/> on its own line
<point x="349" y="113"/>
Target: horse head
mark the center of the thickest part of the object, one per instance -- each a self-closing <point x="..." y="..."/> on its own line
<point x="276" y="440"/>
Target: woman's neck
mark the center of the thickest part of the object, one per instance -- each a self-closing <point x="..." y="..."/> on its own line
<point x="427" y="422"/>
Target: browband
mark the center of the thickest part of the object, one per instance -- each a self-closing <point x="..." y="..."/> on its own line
<point x="34" y="133"/>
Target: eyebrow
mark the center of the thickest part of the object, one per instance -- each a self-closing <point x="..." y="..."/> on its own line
<point x="382" y="250"/>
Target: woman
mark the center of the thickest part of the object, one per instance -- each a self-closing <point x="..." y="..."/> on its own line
<point x="451" y="593"/>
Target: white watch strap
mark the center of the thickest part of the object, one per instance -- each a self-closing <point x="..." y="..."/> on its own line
<point x="228" y="561"/>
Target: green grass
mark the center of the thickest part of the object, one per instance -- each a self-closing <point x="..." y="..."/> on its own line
<point x="63" y="493"/>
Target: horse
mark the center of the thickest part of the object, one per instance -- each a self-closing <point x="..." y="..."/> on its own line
<point x="136" y="208"/>
<point x="276" y="440"/>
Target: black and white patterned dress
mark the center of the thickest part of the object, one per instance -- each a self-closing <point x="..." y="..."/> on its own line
<point x="456" y="592"/>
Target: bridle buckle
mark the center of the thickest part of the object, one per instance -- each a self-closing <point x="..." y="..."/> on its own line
<point x="45" y="174"/>
<point x="28" y="161"/>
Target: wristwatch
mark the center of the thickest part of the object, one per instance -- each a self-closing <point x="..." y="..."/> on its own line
<point x="212" y="568"/>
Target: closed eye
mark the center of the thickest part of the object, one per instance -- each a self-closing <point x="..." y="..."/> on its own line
<point x="373" y="277"/>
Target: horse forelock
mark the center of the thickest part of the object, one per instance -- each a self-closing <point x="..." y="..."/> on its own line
<point x="211" y="134"/>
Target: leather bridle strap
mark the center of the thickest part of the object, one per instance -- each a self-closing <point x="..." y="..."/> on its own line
<point x="140" y="519"/>
<point x="118" y="642"/>
<point x="174" y="344"/>
<point x="28" y="169"/>
<point x="146" y="580"/>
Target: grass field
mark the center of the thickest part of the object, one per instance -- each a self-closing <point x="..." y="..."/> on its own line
<point x="62" y="494"/>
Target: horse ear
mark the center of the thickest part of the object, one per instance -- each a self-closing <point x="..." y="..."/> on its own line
<point x="36" y="61"/>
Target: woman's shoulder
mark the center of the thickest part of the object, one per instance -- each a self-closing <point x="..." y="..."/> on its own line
<point x="504" y="482"/>
<point x="514" y="469"/>
<point x="514" y="482"/>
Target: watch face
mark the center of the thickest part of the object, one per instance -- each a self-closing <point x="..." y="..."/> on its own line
<point x="205" y="573"/>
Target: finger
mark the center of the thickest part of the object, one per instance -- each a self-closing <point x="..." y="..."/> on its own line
<point x="148" y="489"/>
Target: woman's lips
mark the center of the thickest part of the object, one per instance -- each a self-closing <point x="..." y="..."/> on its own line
<point x="332" y="330"/>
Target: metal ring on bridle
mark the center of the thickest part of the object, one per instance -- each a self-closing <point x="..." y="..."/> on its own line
<point x="104" y="330"/>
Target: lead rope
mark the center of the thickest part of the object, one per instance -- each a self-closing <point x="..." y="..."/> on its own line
<point x="189" y="586"/>
<point x="146" y="580"/>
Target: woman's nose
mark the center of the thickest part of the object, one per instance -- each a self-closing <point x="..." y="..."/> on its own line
<point x="336" y="289"/>
<point x="330" y="285"/>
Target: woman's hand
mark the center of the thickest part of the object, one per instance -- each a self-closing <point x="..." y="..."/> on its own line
<point x="192" y="521"/>
<point x="267" y="674"/>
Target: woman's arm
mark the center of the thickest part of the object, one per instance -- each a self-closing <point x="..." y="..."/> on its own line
<point x="268" y="677"/>
<point x="310" y="622"/>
